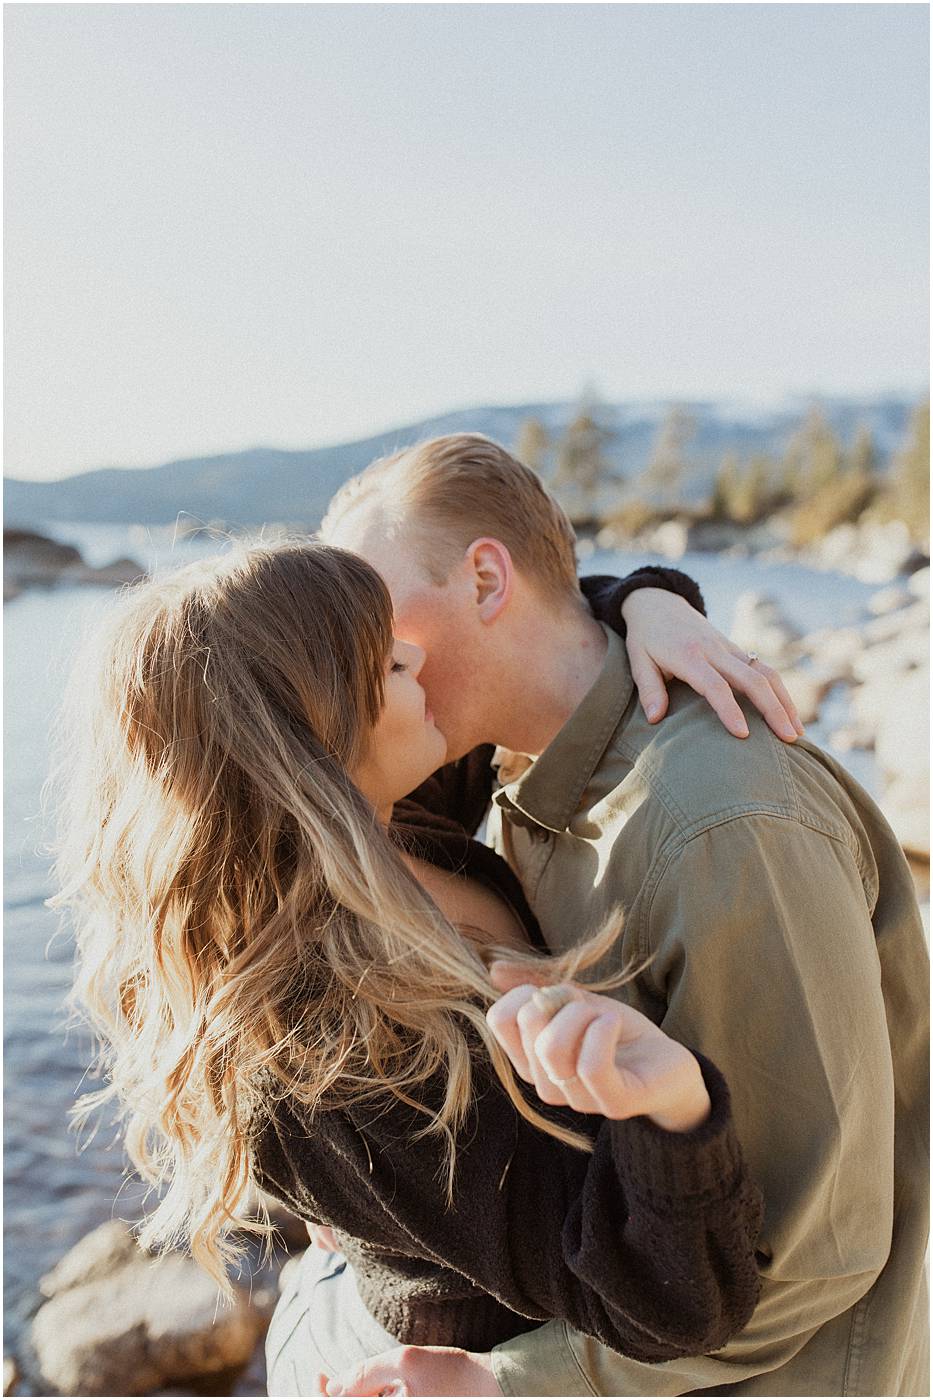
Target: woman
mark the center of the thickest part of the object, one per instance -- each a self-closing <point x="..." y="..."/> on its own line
<point x="292" y="991"/>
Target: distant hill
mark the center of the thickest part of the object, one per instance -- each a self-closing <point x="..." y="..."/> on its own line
<point x="264" y="484"/>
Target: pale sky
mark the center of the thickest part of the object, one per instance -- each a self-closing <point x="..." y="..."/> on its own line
<point x="286" y="225"/>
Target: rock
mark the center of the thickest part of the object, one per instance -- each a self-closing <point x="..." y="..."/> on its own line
<point x="32" y="560"/>
<point x="26" y="551"/>
<point x="873" y="551"/>
<point x="888" y="600"/>
<point x="884" y="550"/>
<point x="919" y="583"/>
<point x="852" y="736"/>
<point x="903" y="731"/>
<point x="902" y="746"/>
<point x="670" y="539"/>
<point x="906" y="804"/>
<point x="834" y="651"/>
<point x="136" y="1322"/>
<point x="96" y="1255"/>
<point x="121" y="571"/>
<point x="900" y="654"/>
<point x="10" y="1375"/>
<point x="760" y="626"/>
<point x="808" y="689"/>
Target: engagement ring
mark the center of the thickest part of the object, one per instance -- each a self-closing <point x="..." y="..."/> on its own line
<point x="751" y="658"/>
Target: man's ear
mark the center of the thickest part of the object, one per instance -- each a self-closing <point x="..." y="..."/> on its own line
<point x="492" y="576"/>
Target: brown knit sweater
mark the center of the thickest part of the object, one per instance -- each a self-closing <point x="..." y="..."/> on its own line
<point x="646" y="1244"/>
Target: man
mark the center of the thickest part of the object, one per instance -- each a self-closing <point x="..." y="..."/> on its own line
<point x="767" y="907"/>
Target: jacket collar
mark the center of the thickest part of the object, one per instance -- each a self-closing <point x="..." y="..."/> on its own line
<point x="549" y="792"/>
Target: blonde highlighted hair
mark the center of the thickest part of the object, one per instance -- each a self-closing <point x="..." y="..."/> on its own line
<point x="241" y="918"/>
<point x="448" y="491"/>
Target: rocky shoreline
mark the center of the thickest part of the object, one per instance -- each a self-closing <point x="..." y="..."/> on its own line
<point x="879" y="669"/>
<point x="31" y="560"/>
<point x="116" y="1320"/>
<point x="871" y="551"/>
<point x="113" y="1320"/>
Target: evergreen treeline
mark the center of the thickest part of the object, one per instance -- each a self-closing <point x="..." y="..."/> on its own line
<point x="816" y="484"/>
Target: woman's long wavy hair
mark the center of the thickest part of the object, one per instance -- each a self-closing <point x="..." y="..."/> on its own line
<point x="242" y="919"/>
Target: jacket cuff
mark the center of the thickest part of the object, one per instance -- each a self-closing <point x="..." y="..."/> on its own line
<point x="606" y="594"/>
<point x="539" y="1363"/>
<point x="680" y="1173"/>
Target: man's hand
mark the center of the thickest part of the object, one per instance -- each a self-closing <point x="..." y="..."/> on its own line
<point x="666" y="637"/>
<point x="417" y="1371"/>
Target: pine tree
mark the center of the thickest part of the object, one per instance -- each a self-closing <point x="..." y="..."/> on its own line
<point x="911" y="484"/>
<point x="665" y="471"/>
<point x="863" y="454"/>
<point x="533" y="444"/>
<point x="581" y="461"/>
<point x="814" y="456"/>
<point x="724" y="487"/>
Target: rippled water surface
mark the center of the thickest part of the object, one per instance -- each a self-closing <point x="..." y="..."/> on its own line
<point x="52" y="1193"/>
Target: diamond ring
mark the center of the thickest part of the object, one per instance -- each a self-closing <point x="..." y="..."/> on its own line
<point x="751" y="657"/>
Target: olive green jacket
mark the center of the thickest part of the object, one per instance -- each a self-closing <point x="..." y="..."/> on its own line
<point x="777" y="917"/>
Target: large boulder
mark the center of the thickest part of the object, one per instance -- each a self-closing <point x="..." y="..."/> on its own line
<point x="122" y="1322"/>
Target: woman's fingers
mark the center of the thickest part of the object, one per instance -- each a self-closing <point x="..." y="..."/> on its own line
<point x="502" y="1018"/>
<point x="649" y="682"/>
<point x="607" y="1084"/>
<point x="557" y="1049"/>
<point x="768" y="694"/>
<point x="543" y="1044"/>
<point x="708" y="681"/>
<point x="533" y="1019"/>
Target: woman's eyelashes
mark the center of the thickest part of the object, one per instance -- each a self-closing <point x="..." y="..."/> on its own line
<point x="399" y="666"/>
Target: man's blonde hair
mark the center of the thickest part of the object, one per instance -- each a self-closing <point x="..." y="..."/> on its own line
<point x="451" y="490"/>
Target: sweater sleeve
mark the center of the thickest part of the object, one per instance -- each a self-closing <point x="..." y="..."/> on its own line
<point x="606" y="594"/>
<point x="462" y="790"/>
<point x="647" y="1244"/>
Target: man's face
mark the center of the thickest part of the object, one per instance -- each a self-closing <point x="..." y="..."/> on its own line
<point x="434" y="616"/>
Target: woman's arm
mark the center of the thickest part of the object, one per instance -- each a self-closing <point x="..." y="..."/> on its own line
<point x="646" y="1244"/>
<point x="668" y="637"/>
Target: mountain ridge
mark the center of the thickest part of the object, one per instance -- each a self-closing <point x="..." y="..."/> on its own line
<point x="261" y="484"/>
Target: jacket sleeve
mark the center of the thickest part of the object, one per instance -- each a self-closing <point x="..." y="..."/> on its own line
<point x="463" y="790"/>
<point x="798" y="1025"/>
<point x="647" y="1244"/>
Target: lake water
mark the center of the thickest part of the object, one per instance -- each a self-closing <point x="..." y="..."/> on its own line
<point x="53" y="1193"/>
